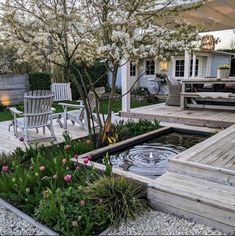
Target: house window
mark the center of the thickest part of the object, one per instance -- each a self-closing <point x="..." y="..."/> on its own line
<point x="179" y="68"/>
<point x="196" y="67"/>
<point x="150" y="67"/>
<point x="132" y="69"/>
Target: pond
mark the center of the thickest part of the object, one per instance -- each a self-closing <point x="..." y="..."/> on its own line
<point x="150" y="158"/>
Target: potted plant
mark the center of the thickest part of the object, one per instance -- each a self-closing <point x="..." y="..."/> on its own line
<point x="223" y="71"/>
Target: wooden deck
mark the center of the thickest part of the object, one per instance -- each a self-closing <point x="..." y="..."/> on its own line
<point x="202" y="117"/>
<point x="200" y="183"/>
<point x="8" y="142"/>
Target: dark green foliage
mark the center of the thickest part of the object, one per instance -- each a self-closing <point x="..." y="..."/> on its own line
<point x="95" y="71"/>
<point x="141" y="92"/>
<point x="122" y="199"/>
<point x="130" y="128"/>
<point x="71" y="212"/>
<point x="2" y="107"/>
<point x="39" y="81"/>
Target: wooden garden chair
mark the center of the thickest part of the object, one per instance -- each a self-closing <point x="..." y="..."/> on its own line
<point x="37" y="113"/>
<point x="79" y="116"/>
<point x="62" y="92"/>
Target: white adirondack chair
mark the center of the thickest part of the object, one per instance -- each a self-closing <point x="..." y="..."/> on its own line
<point x="62" y="92"/>
<point x="79" y="115"/>
<point x="37" y="113"/>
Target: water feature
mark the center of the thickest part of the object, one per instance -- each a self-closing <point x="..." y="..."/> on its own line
<point x="151" y="158"/>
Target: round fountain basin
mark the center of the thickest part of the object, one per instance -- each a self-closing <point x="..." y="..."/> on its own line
<point x="148" y="159"/>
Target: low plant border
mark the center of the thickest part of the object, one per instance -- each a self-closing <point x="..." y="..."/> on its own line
<point x="27" y="218"/>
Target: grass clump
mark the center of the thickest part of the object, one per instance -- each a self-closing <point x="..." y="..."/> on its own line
<point x="122" y="199"/>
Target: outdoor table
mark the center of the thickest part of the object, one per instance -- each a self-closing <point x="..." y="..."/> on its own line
<point x="184" y="95"/>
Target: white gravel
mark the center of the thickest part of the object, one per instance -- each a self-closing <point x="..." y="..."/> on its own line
<point x="11" y="224"/>
<point x="158" y="223"/>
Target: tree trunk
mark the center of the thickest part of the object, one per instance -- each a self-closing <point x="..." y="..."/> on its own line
<point x="108" y="121"/>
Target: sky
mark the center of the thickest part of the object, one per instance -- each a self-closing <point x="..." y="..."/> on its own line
<point x="226" y="36"/>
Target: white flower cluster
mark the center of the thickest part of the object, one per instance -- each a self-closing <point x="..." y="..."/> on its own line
<point x="64" y="31"/>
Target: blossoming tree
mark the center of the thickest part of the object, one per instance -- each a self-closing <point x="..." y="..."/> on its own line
<point x="114" y="31"/>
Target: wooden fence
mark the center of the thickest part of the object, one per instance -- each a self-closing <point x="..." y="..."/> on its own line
<point x="12" y="89"/>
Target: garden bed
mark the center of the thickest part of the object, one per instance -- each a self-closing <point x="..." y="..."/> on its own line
<point x="68" y="197"/>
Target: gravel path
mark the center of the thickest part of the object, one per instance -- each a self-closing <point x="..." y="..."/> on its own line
<point x="11" y="224"/>
<point x="158" y="223"/>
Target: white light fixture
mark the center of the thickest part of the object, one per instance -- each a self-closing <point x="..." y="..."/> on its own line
<point x="163" y="65"/>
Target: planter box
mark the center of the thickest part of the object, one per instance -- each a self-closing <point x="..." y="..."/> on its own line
<point x="223" y="73"/>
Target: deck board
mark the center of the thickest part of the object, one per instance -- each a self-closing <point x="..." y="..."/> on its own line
<point x="202" y="117"/>
<point x="221" y="154"/>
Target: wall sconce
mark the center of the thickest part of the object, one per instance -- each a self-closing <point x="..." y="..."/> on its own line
<point x="5" y="101"/>
<point x="163" y="65"/>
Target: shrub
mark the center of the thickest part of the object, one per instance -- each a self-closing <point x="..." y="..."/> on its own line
<point x="39" y="81"/>
<point x="126" y="129"/>
<point x="141" y="92"/>
<point x="120" y="198"/>
<point x="97" y="70"/>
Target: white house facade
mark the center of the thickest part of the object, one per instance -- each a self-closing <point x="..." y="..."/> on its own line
<point x="201" y="64"/>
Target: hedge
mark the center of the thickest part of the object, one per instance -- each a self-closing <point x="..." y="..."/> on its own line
<point x="39" y="81"/>
<point x="95" y="71"/>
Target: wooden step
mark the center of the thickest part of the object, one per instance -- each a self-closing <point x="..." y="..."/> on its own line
<point x="203" y="201"/>
<point x="203" y="171"/>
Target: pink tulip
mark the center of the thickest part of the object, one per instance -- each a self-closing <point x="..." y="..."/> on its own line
<point x="21" y="139"/>
<point x="76" y="156"/>
<point x="67" y="147"/>
<point x="42" y="168"/>
<point x="64" y="161"/>
<point x="68" y="178"/>
<point x="86" y="160"/>
<point x="82" y="203"/>
<point x="55" y="177"/>
<point x="5" y="168"/>
<point x="89" y="157"/>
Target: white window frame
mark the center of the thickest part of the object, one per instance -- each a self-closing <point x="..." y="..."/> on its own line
<point x="145" y="67"/>
<point x="133" y="70"/>
<point x="182" y="58"/>
<point x="180" y="70"/>
<point x="191" y="64"/>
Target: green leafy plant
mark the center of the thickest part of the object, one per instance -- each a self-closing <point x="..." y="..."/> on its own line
<point x="71" y="212"/>
<point x="121" y="199"/>
<point x="127" y="129"/>
<point x="112" y="139"/>
<point x="108" y="165"/>
<point x="224" y="67"/>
